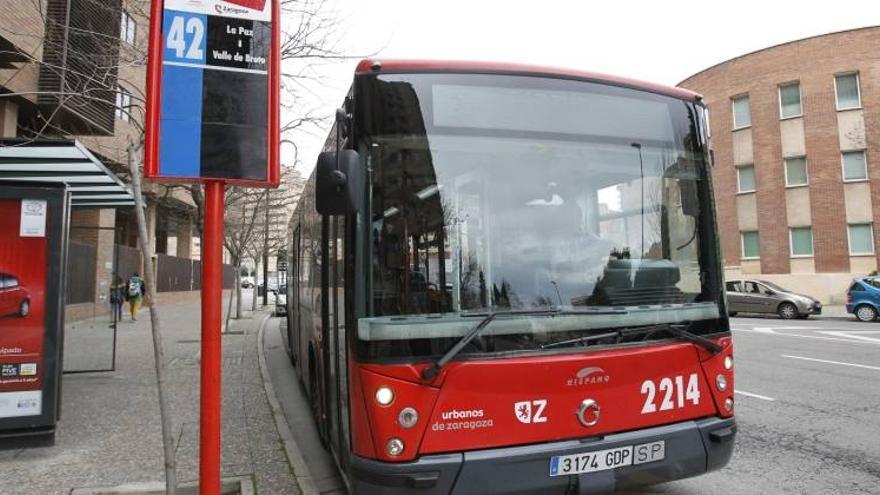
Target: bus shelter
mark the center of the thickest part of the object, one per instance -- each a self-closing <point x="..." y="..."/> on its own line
<point x="41" y="182"/>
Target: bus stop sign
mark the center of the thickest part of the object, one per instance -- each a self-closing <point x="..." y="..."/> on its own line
<point x="213" y="92"/>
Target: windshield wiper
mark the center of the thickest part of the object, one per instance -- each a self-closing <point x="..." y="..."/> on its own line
<point x="432" y="371"/>
<point x="582" y="340"/>
<point x="679" y="331"/>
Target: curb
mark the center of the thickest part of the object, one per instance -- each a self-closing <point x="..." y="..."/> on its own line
<point x="301" y="472"/>
<point x="240" y="485"/>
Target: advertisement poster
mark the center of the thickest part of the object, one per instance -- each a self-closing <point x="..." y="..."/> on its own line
<point x="23" y="264"/>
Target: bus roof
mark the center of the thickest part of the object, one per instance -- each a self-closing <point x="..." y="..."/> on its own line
<point x="374" y="66"/>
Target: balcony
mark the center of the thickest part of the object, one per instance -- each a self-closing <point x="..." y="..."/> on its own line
<point x="80" y="62"/>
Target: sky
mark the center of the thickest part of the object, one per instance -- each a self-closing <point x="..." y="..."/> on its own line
<point x="658" y="41"/>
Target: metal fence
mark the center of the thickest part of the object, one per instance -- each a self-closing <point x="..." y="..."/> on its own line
<point x="228" y="276"/>
<point x="129" y="261"/>
<point x="183" y="274"/>
<point x="174" y="274"/>
<point x="197" y="275"/>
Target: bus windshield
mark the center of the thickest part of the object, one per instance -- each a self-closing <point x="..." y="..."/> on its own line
<point x="498" y="192"/>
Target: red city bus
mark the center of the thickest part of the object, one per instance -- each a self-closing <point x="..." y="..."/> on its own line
<point x="506" y="279"/>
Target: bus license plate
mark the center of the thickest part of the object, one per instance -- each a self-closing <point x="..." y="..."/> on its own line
<point x="601" y="460"/>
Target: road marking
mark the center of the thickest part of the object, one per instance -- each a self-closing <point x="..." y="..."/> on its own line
<point x="854" y="365"/>
<point x="855" y="334"/>
<point x="815" y="337"/>
<point x="763" y="330"/>
<point x="768" y="328"/>
<point x="756" y="396"/>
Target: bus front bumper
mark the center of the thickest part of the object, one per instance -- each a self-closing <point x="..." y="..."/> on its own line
<point x="691" y="448"/>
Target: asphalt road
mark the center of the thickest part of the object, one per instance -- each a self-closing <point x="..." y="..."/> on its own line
<point x="807" y="405"/>
<point x="807" y="408"/>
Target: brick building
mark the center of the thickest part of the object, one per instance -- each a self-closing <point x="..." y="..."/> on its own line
<point x="76" y="69"/>
<point x="795" y="136"/>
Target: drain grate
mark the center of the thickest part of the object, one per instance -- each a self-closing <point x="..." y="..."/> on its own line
<point x="180" y="362"/>
<point x="233" y="361"/>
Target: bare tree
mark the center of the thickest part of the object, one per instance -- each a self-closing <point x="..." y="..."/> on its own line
<point x="158" y="344"/>
<point x="243" y="206"/>
<point x="95" y="76"/>
<point x="83" y="63"/>
<point x="272" y="224"/>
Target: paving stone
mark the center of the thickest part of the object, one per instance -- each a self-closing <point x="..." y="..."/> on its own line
<point x="110" y="433"/>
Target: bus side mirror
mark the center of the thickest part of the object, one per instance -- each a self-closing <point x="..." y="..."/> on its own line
<point x="338" y="181"/>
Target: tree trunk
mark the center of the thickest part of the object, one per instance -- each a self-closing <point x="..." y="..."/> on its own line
<point x="228" y="311"/>
<point x="158" y="345"/>
<point x="256" y="271"/>
<point x="238" y="290"/>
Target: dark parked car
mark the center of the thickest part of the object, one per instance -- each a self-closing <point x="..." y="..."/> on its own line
<point x="14" y="299"/>
<point x="863" y="298"/>
<point x="760" y="296"/>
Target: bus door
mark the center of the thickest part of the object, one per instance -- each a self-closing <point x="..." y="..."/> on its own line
<point x="336" y="350"/>
<point x="293" y="308"/>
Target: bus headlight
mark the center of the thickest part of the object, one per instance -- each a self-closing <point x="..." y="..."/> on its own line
<point x="384" y="396"/>
<point x="408" y="417"/>
<point x="721" y="382"/>
<point x="394" y="447"/>
<point x="728" y="404"/>
<point x="728" y="362"/>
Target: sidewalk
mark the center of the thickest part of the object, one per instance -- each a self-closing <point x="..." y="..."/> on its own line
<point x="834" y="311"/>
<point x="110" y="434"/>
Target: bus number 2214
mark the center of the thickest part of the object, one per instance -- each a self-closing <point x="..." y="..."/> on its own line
<point x="673" y="391"/>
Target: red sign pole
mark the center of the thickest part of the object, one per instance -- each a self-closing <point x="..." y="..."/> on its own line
<point x="212" y="295"/>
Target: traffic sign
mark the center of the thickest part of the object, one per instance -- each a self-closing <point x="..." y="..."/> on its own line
<point x="213" y="92"/>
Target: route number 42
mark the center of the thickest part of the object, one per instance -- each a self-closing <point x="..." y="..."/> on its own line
<point x="182" y="28"/>
<point x="671" y="390"/>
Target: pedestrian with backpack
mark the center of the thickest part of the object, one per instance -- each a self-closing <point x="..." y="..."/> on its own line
<point x="117" y="299"/>
<point x="135" y="294"/>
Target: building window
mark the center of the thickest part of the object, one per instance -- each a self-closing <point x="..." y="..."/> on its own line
<point x="801" y="241"/>
<point x="750" y="245"/>
<point x="742" y="117"/>
<point x="855" y="167"/>
<point x="123" y="104"/>
<point x="746" y="179"/>
<point x="847" y="88"/>
<point x="796" y="172"/>
<point x="790" y="100"/>
<point x="861" y="239"/>
<point x="128" y="30"/>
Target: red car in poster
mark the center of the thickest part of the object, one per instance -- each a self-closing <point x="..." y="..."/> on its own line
<point x="14" y="299"/>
